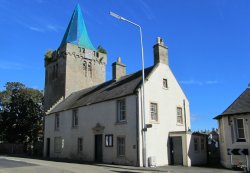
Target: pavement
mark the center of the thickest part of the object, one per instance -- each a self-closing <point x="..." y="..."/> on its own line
<point x="25" y="165"/>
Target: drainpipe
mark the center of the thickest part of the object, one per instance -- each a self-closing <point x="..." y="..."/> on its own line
<point x="137" y="130"/>
<point x="185" y="124"/>
<point x="141" y="130"/>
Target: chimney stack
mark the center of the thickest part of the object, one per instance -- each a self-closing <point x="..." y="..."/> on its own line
<point x="160" y="52"/>
<point x="118" y="69"/>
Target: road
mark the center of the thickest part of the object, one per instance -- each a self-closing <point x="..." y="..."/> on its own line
<point x="24" y="165"/>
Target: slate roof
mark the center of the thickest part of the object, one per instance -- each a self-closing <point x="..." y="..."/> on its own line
<point x="113" y="89"/>
<point x="76" y="32"/>
<point x="240" y="106"/>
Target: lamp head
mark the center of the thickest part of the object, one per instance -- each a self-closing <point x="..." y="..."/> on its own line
<point x="115" y="15"/>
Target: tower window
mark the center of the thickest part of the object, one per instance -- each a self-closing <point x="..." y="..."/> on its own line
<point x="85" y="68"/>
<point x="90" y="69"/>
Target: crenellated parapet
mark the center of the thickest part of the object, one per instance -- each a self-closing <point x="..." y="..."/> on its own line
<point x="80" y="53"/>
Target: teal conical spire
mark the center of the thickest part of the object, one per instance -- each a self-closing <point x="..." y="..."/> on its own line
<point x="76" y="32"/>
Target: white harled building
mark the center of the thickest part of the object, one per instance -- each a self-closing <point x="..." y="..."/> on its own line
<point x="234" y="132"/>
<point x="91" y="119"/>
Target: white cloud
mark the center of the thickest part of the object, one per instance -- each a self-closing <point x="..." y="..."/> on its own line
<point x="211" y="82"/>
<point x="191" y="82"/>
<point x="196" y="82"/>
<point x="194" y="117"/>
<point x="52" y="27"/>
<point x="11" y="66"/>
<point x="147" y="10"/>
<point x="35" y="29"/>
<point x="45" y="28"/>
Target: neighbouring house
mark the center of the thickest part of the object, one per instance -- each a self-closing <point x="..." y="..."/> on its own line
<point x="234" y="132"/>
<point x="91" y="119"/>
<point x="213" y="147"/>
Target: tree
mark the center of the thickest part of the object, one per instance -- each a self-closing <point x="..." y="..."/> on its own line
<point x="48" y="56"/>
<point x="101" y="49"/>
<point x="21" y="114"/>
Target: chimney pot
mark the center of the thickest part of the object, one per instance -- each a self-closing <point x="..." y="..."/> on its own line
<point x="160" y="52"/>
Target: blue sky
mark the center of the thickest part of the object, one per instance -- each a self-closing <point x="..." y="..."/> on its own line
<point x="208" y="43"/>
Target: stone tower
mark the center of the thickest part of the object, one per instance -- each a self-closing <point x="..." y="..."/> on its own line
<point x="75" y="65"/>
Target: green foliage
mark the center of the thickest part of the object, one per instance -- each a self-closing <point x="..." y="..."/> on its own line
<point x="21" y="116"/>
<point x="101" y="49"/>
<point x="48" y="56"/>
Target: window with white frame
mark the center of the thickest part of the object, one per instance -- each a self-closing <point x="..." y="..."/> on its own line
<point x="74" y="118"/>
<point x="240" y="132"/>
<point x="57" y="144"/>
<point x="57" y="121"/>
<point x="179" y="115"/>
<point x="196" y="144"/>
<point x="121" y="146"/>
<point x="154" y="111"/>
<point x="108" y="140"/>
<point x="121" y="110"/>
<point x="165" y="83"/>
<point x="79" y="145"/>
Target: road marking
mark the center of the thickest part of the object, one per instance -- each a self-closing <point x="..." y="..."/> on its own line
<point x="13" y="159"/>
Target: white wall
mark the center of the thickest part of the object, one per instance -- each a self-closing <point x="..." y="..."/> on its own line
<point x="168" y="100"/>
<point x="197" y="157"/>
<point x="103" y="113"/>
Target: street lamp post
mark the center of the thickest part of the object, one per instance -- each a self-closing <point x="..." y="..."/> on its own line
<point x="143" y="92"/>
